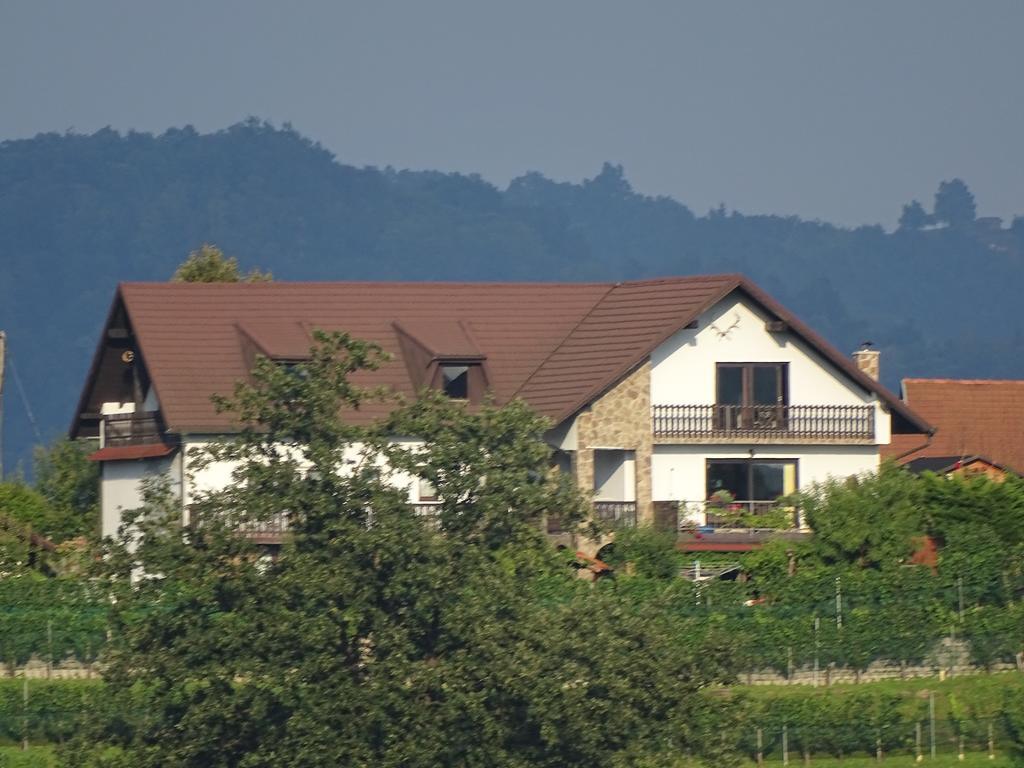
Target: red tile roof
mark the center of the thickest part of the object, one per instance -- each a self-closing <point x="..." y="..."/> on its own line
<point x="972" y="417"/>
<point x="556" y="345"/>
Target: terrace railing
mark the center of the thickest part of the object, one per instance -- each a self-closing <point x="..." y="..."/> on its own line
<point x="740" y="514"/>
<point x="429" y="512"/>
<point x="131" y="429"/>
<point x="834" y="422"/>
<point x="621" y="514"/>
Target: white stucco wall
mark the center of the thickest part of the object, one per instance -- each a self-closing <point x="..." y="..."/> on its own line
<point x="121" y="486"/>
<point x="216" y="475"/>
<point x="683" y="367"/>
<point x="678" y="472"/>
<point x="614" y="475"/>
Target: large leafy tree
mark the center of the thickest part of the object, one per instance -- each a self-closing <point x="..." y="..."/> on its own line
<point x="210" y="265"/>
<point x="376" y="638"/>
<point x="69" y="482"/>
<point x="954" y="204"/>
<point x="914" y="216"/>
<point x="869" y="521"/>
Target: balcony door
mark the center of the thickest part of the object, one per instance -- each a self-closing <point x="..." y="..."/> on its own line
<point x="757" y="482"/>
<point x="751" y="395"/>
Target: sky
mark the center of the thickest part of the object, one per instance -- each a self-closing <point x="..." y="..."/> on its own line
<point x="839" y="111"/>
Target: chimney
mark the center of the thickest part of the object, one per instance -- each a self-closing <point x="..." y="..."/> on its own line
<point x="866" y="359"/>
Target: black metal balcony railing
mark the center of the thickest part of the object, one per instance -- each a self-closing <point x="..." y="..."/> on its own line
<point x="130" y="429"/>
<point x="619" y="513"/>
<point x="839" y="422"/>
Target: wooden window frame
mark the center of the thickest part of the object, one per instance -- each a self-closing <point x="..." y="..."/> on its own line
<point x="747" y="414"/>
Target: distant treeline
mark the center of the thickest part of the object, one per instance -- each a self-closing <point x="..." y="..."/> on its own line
<point x="939" y="296"/>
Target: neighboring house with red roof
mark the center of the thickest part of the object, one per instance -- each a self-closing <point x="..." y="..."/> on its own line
<point x="661" y="393"/>
<point x="979" y="427"/>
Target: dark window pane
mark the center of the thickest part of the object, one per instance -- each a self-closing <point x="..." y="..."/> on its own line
<point x="728" y="476"/>
<point x="769" y="480"/>
<point x="767" y="389"/>
<point x="455" y="381"/>
<point x="730" y="385"/>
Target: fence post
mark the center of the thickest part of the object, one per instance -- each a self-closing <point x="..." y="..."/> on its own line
<point x="760" y="747"/>
<point x="24" y="712"/>
<point x="931" y="721"/>
<point x="49" y="648"/>
<point x="817" y="626"/>
<point x="839" y="603"/>
<point x="785" y="744"/>
<point x="960" y="596"/>
<point x="917" y="742"/>
<point x="991" y="742"/>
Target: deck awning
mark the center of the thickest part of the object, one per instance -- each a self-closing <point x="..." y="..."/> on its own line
<point x="131" y="452"/>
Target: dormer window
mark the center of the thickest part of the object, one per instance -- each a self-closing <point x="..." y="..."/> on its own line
<point x="455" y="381"/>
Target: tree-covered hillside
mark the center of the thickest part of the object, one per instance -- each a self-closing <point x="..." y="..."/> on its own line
<point x="80" y="213"/>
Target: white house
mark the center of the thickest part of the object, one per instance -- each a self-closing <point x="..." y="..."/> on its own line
<point x="662" y="394"/>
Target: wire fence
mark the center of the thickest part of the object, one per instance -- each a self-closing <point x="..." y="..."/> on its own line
<point x="34" y="714"/>
<point x="816" y="626"/>
<point x="922" y="739"/>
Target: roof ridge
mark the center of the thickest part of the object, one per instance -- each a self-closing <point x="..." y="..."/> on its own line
<point x="714" y="277"/>
<point x="588" y="313"/>
<point x="269" y="284"/>
<point x="962" y="381"/>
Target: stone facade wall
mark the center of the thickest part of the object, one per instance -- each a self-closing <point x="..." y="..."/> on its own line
<point x="621" y="418"/>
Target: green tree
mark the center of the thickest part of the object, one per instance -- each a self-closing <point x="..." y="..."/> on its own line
<point x="20" y="505"/>
<point x="914" y="217"/>
<point x="70" y="484"/>
<point x="868" y="521"/>
<point x="376" y="638"/>
<point x="210" y="265"/>
<point x="954" y="204"/>
<point x="24" y="513"/>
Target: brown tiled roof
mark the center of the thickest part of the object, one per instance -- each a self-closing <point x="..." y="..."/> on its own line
<point x="556" y="345"/>
<point x="189" y="336"/>
<point x="972" y="417"/>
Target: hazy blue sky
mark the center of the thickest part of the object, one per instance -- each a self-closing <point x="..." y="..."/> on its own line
<point x="838" y="111"/>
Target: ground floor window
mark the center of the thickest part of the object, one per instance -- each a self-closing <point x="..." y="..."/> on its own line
<point x="752" y="479"/>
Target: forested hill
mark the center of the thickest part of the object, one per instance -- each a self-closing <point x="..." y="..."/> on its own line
<point x="940" y="296"/>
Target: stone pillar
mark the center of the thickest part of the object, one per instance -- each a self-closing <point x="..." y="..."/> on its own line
<point x="620" y="418"/>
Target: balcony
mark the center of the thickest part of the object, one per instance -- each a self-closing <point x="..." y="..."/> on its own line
<point x="765" y="515"/>
<point x="618" y="514"/>
<point x="429" y="513"/>
<point x="120" y="429"/>
<point x="853" y="424"/>
<point x="267" y="532"/>
<point x="273" y="530"/>
<point x="736" y="526"/>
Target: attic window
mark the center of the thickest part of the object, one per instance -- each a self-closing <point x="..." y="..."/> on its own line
<point x="295" y="368"/>
<point x="455" y="381"/>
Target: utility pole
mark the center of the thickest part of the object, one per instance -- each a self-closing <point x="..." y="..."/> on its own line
<point x="3" y="359"/>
